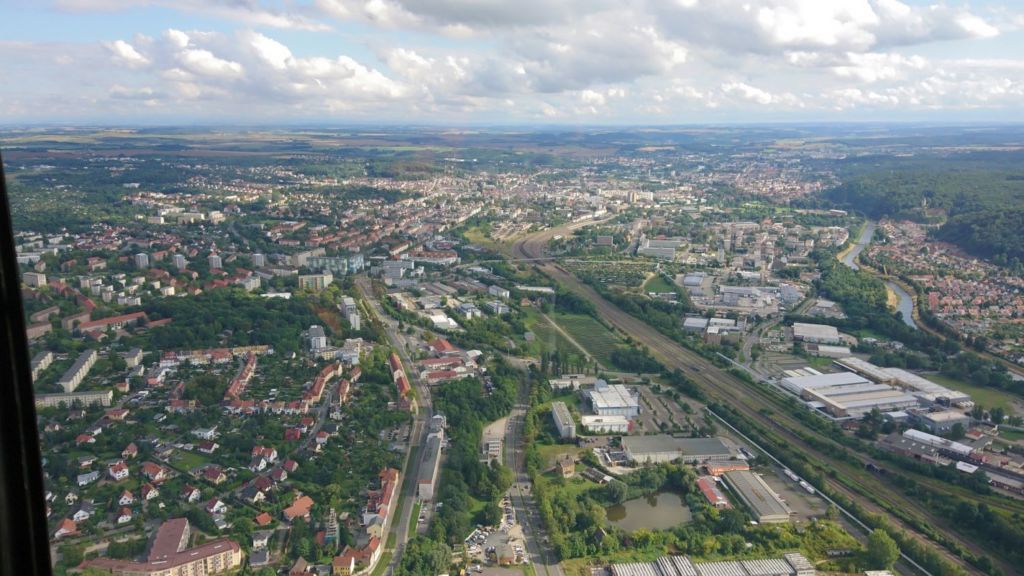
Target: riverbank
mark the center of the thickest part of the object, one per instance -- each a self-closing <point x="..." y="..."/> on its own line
<point x="898" y="297"/>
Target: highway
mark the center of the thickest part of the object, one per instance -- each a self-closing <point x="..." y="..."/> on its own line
<point x="400" y="528"/>
<point x="749" y="401"/>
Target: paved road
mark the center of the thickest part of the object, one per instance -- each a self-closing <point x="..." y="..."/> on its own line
<point x="419" y="425"/>
<point x="726" y="388"/>
<point x="544" y="561"/>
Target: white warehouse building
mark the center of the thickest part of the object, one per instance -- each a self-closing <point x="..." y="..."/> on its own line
<point x="613" y="400"/>
<point x="605" y="424"/>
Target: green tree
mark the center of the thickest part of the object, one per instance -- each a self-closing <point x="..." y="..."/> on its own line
<point x="882" y="551"/>
<point x="616" y="492"/>
<point x="490" y="515"/>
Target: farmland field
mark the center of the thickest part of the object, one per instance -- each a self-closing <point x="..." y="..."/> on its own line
<point x="591" y="334"/>
<point x="546" y="337"/>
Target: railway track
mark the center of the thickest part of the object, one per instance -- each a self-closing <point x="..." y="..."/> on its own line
<point x="750" y="401"/>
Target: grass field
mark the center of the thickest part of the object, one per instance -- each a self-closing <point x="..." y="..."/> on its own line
<point x="414" y="518"/>
<point x="657" y="283"/>
<point x="188" y="460"/>
<point x="591" y="334"/>
<point x="547" y="338"/>
<point x="479" y="236"/>
<point x="551" y="452"/>
<point x="987" y="397"/>
<point x="382" y="565"/>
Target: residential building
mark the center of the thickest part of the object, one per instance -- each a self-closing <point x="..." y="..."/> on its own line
<point x="563" y="420"/>
<point x="169" y="555"/>
<point x="315" y="282"/>
<point x="77" y="372"/>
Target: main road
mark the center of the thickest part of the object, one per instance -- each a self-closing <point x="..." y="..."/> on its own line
<point x="419" y="425"/>
<point x="748" y="400"/>
<point x="544" y="560"/>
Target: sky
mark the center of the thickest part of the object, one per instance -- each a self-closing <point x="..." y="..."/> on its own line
<point x="530" y="62"/>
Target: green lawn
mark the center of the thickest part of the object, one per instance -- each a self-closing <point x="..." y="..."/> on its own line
<point x="551" y="452"/>
<point x="414" y="518"/>
<point x="590" y="334"/>
<point x="658" y="283"/>
<point x="188" y="460"/>
<point x="987" y="397"/>
<point x="382" y="566"/>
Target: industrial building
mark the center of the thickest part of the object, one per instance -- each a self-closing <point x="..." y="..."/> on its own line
<point x="947" y="447"/>
<point x="765" y="505"/>
<point x="714" y="495"/>
<point x="613" y="400"/>
<point x="847" y="395"/>
<point x="563" y="421"/>
<point x="665" y="448"/>
<point x="605" y="424"/>
<point x="792" y="564"/>
<point x="816" y="333"/>
<point x="574" y="381"/>
<point x="942" y="422"/>
<point x="925" y="390"/>
<point x="76" y="373"/>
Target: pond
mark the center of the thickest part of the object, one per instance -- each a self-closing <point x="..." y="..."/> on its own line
<point x="658" y="511"/>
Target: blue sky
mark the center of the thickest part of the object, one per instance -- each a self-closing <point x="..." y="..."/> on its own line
<point x="521" y="62"/>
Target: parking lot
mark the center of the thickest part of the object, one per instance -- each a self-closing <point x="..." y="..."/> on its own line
<point x="488" y="544"/>
<point x="659" y="408"/>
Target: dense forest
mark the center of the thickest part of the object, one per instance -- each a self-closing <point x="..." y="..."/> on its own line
<point x="230" y="317"/>
<point x="980" y="194"/>
<point x="465" y="479"/>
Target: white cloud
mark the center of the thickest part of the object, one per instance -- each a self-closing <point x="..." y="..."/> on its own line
<point x="493" y="59"/>
<point x="592" y="98"/>
<point x="271" y="51"/>
<point x="874" y="67"/>
<point x="126" y="54"/>
<point x="747" y="92"/>
<point x="248" y="12"/>
<point x="177" y="37"/>
<point x="204" y="62"/>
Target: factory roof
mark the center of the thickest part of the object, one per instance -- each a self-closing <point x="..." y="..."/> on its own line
<point x="789" y="565"/>
<point x="765" y="504"/>
<point x="802" y="330"/>
<point x="945" y="416"/>
<point x="612" y="396"/>
<point x="665" y="443"/>
<point x="798" y="383"/>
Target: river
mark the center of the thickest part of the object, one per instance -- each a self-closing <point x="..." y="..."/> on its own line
<point x="905" y="304"/>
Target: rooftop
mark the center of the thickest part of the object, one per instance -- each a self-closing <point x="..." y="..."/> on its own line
<point x="666" y="443"/>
